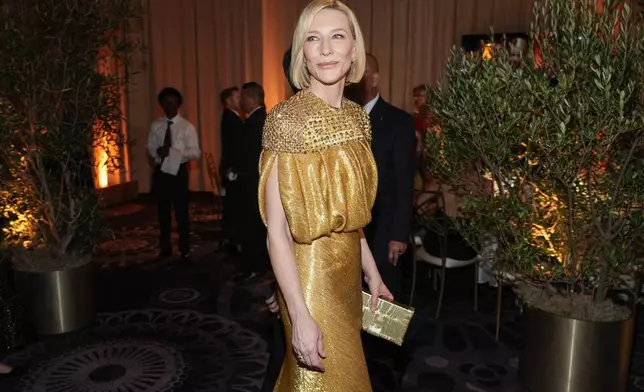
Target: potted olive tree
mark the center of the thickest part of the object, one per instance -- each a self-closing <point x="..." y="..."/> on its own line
<point x="560" y="136"/>
<point x="57" y="105"/>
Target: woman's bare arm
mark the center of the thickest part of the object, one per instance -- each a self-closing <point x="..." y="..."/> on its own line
<point x="280" y="248"/>
<point x="376" y="287"/>
<point x="366" y="257"/>
<point x="306" y="336"/>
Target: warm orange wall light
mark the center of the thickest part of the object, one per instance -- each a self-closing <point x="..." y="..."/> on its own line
<point x="100" y="154"/>
<point x="487" y="51"/>
<point x="105" y="174"/>
<point x="100" y="157"/>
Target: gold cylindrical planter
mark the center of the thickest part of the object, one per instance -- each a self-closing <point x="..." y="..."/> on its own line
<point x="561" y="354"/>
<point x="58" y="301"/>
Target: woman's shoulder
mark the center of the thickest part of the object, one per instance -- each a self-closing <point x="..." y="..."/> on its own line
<point x="354" y="108"/>
<point x="357" y="112"/>
<point x="295" y="108"/>
<point x="360" y="116"/>
<point x="304" y="123"/>
<point x="283" y="128"/>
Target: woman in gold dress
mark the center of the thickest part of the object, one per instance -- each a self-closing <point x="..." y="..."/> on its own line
<point x="317" y="187"/>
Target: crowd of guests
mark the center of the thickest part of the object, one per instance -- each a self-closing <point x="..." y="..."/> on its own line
<point x="397" y="146"/>
<point x="394" y="145"/>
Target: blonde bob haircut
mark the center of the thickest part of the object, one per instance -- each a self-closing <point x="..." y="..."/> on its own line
<point x="299" y="73"/>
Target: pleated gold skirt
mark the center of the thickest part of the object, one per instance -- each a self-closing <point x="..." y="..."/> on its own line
<point x="330" y="273"/>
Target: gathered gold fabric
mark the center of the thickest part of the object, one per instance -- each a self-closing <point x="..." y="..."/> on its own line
<point x="389" y="322"/>
<point x="327" y="181"/>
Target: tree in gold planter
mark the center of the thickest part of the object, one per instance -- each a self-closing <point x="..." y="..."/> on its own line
<point x="565" y="158"/>
<point x="56" y="106"/>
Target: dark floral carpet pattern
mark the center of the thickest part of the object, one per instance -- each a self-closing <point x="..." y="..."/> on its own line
<point x="149" y="350"/>
<point x="187" y="326"/>
<point x="133" y="235"/>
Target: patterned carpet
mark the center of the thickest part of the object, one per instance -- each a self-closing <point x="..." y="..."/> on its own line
<point x="149" y="350"/>
<point x="134" y="235"/>
<point x="186" y="326"/>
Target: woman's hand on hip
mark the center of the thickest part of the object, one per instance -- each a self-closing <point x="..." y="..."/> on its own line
<point x="308" y="342"/>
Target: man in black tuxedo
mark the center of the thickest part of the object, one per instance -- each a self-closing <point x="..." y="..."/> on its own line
<point x="231" y="146"/>
<point x="394" y="149"/>
<point x="254" y="252"/>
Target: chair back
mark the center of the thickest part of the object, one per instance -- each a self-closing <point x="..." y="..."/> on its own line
<point x="213" y="173"/>
<point x="427" y="207"/>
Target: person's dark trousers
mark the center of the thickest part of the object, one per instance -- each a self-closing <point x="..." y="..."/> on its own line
<point x="232" y="213"/>
<point x="406" y="268"/>
<point x="277" y="352"/>
<point x="172" y="191"/>
<point x="254" y="251"/>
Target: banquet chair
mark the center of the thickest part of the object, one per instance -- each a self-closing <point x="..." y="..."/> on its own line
<point x="426" y="218"/>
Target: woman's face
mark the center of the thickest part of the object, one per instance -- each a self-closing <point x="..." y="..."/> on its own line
<point x="329" y="48"/>
<point x="420" y="99"/>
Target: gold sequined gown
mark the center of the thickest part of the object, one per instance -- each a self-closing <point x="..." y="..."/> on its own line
<point x="327" y="181"/>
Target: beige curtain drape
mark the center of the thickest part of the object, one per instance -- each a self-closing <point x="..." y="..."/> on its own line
<point x="204" y="46"/>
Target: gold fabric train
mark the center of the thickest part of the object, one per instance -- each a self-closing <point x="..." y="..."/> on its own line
<point x="327" y="181"/>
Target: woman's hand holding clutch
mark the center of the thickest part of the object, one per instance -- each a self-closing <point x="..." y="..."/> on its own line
<point x="308" y="342"/>
<point x="377" y="289"/>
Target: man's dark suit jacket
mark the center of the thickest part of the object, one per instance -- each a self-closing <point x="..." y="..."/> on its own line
<point x="394" y="149"/>
<point x="252" y="148"/>
<point x="254" y="252"/>
<point x="231" y="141"/>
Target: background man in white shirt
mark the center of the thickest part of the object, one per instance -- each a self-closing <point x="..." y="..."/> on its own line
<point x="172" y="134"/>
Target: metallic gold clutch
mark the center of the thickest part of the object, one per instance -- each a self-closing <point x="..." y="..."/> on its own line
<point x="389" y="322"/>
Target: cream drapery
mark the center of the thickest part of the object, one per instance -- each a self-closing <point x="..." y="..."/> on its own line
<point x="204" y="46"/>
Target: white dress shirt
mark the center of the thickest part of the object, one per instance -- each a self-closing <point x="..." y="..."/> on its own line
<point x="184" y="138"/>
<point x="369" y="106"/>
